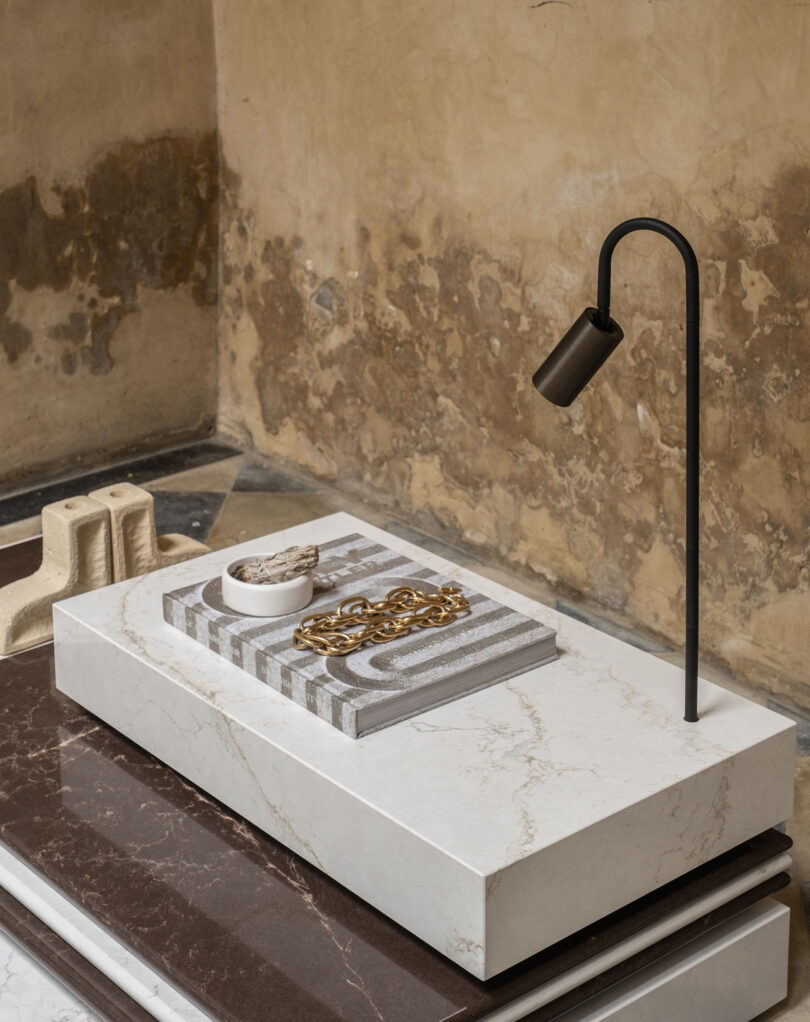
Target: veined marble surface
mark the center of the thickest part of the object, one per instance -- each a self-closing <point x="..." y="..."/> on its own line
<point x="466" y="824"/>
<point x="28" y="993"/>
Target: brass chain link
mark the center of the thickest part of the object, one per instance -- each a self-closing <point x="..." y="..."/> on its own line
<point x="401" y="610"/>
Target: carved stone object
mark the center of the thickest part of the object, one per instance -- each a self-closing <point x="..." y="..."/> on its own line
<point x="282" y="567"/>
<point x="87" y="542"/>
<point x="136" y="547"/>
<point x="75" y="559"/>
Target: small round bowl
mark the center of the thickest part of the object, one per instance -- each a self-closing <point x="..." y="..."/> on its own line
<point x="271" y="600"/>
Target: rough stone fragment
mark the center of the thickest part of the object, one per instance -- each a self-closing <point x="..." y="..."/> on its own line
<point x="281" y="567"/>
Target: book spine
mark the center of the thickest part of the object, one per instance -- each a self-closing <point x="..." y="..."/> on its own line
<point x="301" y="690"/>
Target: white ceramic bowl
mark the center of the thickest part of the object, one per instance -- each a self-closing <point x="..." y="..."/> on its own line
<point x="270" y="600"/>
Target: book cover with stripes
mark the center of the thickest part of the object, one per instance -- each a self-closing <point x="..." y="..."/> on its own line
<point x="377" y="685"/>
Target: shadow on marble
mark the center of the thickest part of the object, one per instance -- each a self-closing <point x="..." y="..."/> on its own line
<point x="16" y="532"/>
<point x="217" y="477"/>
<point x="256" y="475"/>
<point x="190" y="513"/>
<point x="609" y="627"/>
<point x="246" y="515"/>
<point x="802" y="726"/>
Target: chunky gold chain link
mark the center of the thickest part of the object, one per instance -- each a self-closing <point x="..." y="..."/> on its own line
<point x="401" y="610"/>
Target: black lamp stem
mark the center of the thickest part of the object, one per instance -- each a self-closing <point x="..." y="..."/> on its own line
<point x="643" y="223"/>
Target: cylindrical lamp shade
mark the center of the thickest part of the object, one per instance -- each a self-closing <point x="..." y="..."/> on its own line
<point x="576" y="358"/>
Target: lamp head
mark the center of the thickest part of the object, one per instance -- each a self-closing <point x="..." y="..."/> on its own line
<point x="577" y="357"/>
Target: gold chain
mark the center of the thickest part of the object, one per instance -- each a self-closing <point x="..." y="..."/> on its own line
<point x="401" y="610"/>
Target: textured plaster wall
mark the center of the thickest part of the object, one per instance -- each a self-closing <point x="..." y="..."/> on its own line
<point x="414" y="195"/>
<point x="108" y="183"/>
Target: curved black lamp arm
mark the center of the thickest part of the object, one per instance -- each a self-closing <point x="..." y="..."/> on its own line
<point x="643" y="223"/>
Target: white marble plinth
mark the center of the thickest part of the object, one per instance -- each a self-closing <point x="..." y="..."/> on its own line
<point x="491" y="827"/>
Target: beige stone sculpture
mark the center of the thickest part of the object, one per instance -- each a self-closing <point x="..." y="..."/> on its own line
<point x="136" y="547"/>
<point x="87" y="542"/>
<point x="76" y="558"/>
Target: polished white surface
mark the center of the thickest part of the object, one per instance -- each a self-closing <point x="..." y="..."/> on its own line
<point x="28" y="993"/>
<point x="731" y="974"/>
<point x="469" y="823"/>
<point x="163" y="1001"/>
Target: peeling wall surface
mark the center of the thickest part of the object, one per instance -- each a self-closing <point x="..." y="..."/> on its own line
<point x="108" y="230"/>
<point x="414" y="196"/>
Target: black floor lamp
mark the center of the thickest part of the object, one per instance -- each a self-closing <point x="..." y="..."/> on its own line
<point x="582" y="351"/>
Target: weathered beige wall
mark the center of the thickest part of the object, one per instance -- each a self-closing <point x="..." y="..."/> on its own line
<point x="108" y="178"/>
<point x="414" y="198"/>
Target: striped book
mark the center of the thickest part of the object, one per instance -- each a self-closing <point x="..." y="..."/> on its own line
<point x="376" y="685"/>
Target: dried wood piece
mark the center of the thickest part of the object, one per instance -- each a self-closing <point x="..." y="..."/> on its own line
<point x="283" y="567"/>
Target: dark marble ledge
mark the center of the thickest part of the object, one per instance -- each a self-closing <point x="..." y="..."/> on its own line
<point x="244" y="927"/>
<point x="27" y="503"/>
<point x="113" y="1005"/>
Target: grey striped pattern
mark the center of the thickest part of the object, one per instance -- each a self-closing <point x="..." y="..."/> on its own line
<point x="491" y="644"/>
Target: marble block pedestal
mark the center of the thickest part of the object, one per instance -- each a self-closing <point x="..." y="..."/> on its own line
<point x="491" y="827"/>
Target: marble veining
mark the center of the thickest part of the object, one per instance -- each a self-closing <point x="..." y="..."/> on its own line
<point x="28" y="992"/>
<point x="229" y="914"/>
<point x="476" y="808"/>
<point x="61" y="958"/>
<point x="137" y="984"/>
